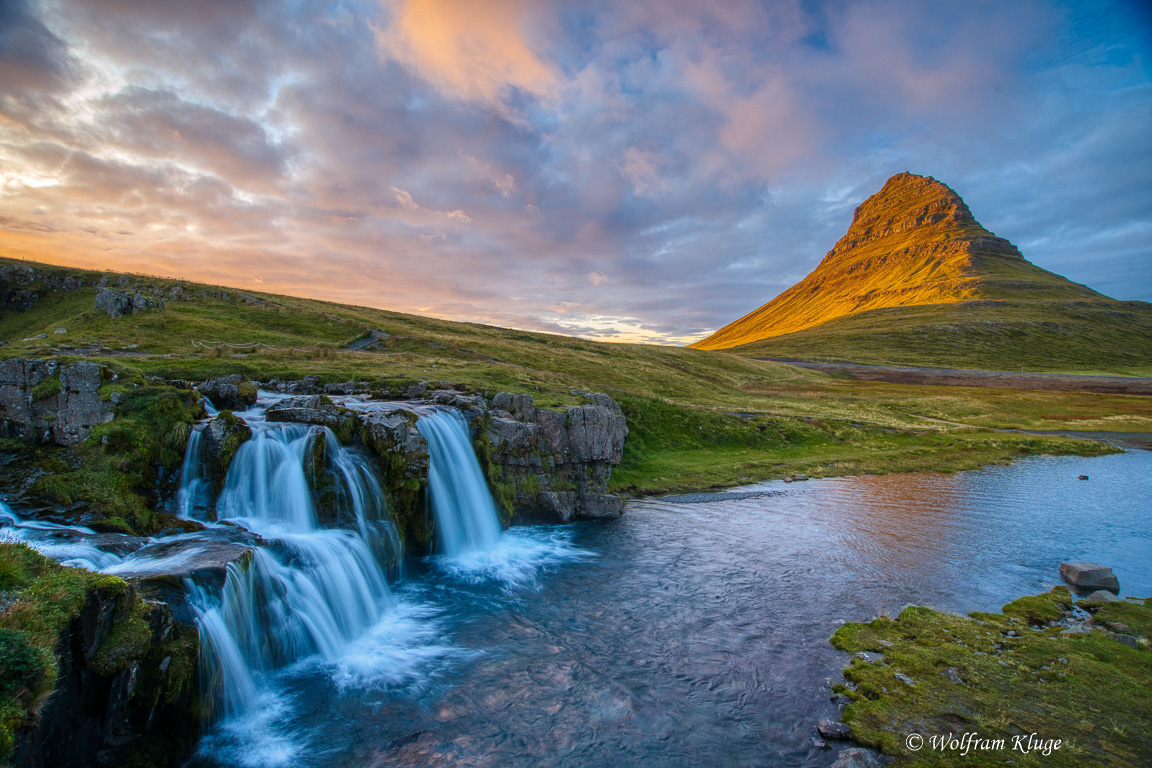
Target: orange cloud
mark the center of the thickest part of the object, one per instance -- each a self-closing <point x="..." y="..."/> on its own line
<point x="475" y="50"/>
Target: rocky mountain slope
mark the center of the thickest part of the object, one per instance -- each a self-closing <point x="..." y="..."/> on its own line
<point x="913" y="243"/>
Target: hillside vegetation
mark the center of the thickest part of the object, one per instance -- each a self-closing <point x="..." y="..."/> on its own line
<point x="696" y="418"/>
<point x="1081" y="336"/>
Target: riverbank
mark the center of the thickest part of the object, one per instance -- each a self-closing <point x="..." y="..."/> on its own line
<point x="1042" y="683"/>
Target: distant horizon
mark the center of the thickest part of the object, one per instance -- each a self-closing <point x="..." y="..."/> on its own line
<point x="644" y="173"/>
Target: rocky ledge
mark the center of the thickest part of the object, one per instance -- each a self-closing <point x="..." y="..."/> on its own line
<point x="542" y="464"/>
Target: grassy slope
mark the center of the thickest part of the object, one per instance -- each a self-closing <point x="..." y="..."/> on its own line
<point x="1102" y="336"/>
<point x="697" y="418"/>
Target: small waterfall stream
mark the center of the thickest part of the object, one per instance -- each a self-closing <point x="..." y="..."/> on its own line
<point x="466" y="519"/>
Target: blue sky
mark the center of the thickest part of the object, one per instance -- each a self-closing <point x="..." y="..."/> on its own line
<point x="643" y="171"/>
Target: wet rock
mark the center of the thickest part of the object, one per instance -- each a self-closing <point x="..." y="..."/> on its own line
<point x="831" y="729"/>
<point x="1089" y="576"/>
<point x="222" y="437"/>
<point x="309" y="409"/>
<point x="856" y="758"/>
<point x="234" y="393"/>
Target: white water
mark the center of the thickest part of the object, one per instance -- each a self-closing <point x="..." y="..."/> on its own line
<point x="311" y="598"/>
<point x="195" y="493"/>
<point x="323" y="587"/>
<point x="466" y="521"/>
<point x="67" y="544"/>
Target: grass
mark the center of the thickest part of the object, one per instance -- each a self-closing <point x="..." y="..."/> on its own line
<point x="1058" y="336"/>
<point x="1018" y="675"/>
<point x="696" y="418"/>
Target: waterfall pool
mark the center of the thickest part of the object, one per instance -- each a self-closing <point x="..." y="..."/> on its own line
<point x="682" y="634"/>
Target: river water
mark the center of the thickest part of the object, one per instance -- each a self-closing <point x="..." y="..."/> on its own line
<point x="683" y="634"/>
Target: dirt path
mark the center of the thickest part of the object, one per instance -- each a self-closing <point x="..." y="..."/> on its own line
<point x="954" y="377"/>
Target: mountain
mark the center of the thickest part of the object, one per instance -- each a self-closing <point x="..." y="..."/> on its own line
<point x="913" y="243"/>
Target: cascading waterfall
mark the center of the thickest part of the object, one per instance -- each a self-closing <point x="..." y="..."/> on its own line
<point x="465" y="514"/>
<point x="325" y="586"/>
<point x="195" y="492"/>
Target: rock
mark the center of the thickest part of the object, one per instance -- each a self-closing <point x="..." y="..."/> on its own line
<point x="1128" y="640"/>
<point x="222" y="438"/>
<point x="234" y="393"/>
<point x="42" y="401"/>
<point x="112" y="689"/>
<point x="119" y="303"/>
<point x="856" y="758"/>
<point x="309" y="409"/>
<point x="952" y="675"/>
<point x="905" y="679"/>
<point x="1089" y="576"/>
<point x="559" y="463"/>
<point x="1101" y="596"/>
<point x="831" y="729"/>
<point x="60" y="330"/>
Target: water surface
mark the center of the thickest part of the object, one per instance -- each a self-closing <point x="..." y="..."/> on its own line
<point x="688" y="634"/>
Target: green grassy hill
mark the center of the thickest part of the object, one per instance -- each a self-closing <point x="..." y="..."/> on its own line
<point x="1102" y="336"/>
<point x="696" y="418"/>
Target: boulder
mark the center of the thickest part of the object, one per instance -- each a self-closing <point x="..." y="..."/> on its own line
<point x="309" y="409"/>
<point x="222" y="437"/>
<point x="1101" y="596"/>
<point x="1089" y="576"/>
<point x="558" y="463"/>
<point x="234" y="393"/>
<point x="832" y="729"/>
<point x="856" y="758"/>
<point x="119" y="303"/>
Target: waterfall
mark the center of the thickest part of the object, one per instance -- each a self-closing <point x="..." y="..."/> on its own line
<point x="195" y="492"/>
<point x="465" y="514"/>
<point x="315" y="589"/>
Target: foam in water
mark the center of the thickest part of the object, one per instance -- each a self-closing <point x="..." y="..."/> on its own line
<point x="310" y="593"/>
<point x="471" y="544"/>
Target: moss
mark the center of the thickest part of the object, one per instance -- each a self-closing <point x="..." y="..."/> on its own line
<point x="47" y="597"/>
<point x="47" y="388"/>
<point x="1085" y="689"/>
<point x="127" y="641"/>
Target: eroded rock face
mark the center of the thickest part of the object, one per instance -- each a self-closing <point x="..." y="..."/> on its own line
<point x="42" y="401"/>
<point x="234" y="393"/>
<point x="112" y="690"/>
<point x="558" y="463"/>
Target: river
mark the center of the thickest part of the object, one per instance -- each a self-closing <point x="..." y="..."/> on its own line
<point x="684" y="634"/>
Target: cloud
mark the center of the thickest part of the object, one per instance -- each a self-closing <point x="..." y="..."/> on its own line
<point x="476" y="51"/>
<point x="646" y="170"/>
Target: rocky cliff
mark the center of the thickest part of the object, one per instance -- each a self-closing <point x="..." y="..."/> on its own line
<point x="914" y="242"/>
<point x="541" y="464"/>
<point x="43" y="401"/>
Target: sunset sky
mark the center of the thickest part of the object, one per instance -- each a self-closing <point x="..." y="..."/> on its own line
<point x="639" y="171"/>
